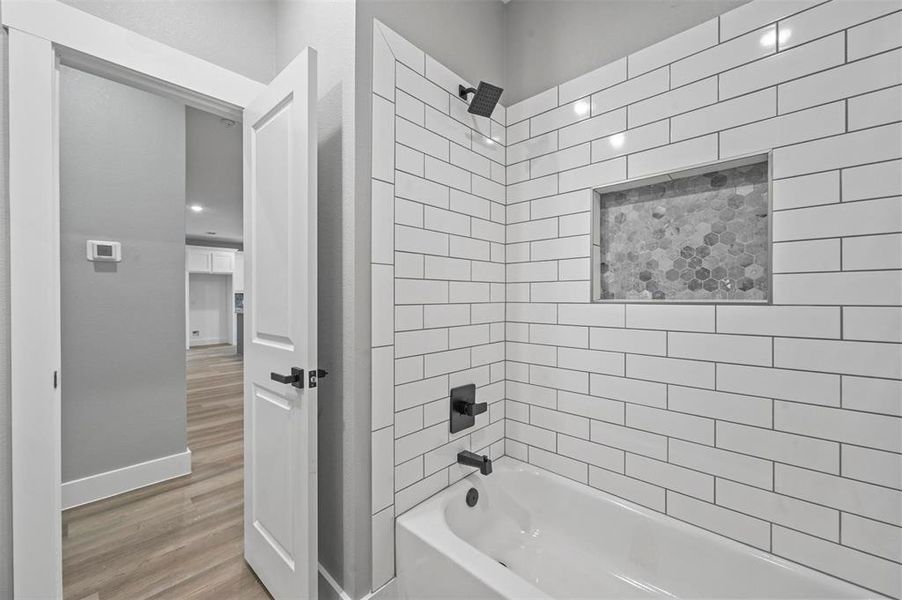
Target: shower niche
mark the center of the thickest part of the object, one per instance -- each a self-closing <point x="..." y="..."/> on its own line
<point x="696" y="235"/>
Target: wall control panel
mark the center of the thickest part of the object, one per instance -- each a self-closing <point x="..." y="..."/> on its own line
<point x="100" y="251"/>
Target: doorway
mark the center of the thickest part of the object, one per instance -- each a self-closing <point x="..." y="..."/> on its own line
<point x="279" y="159"/>
<point x="152" y="430"/>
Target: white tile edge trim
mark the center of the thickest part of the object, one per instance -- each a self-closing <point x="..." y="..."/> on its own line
<point x="327" y="577"/>
<point x="384" y="592"/>
<point x="125" y="479"/>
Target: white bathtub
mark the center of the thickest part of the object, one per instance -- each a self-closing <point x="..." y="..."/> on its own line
<point x="534" y="534"/>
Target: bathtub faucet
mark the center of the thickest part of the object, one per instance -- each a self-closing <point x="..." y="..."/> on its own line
<point x="470" y="459"/>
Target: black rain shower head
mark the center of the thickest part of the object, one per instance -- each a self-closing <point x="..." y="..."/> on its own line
<point x="483" y="103"/>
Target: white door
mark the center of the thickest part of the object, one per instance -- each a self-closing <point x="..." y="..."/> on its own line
<point x="280" y="479"/>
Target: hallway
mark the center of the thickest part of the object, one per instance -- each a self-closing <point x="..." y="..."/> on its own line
<point x="181" y="538"/>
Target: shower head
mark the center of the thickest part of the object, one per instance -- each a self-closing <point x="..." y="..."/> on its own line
<point x="483" y="103"/>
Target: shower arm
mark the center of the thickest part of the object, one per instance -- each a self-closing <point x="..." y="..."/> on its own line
<point x="463" y="92"/>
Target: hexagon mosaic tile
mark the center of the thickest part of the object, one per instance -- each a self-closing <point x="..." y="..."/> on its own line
<point x="703" y="237"/>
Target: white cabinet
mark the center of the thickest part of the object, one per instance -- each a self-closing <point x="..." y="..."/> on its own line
<point x="209" y="260"/>
<point x="222" y="261"/>
<point x="198" y="260"/>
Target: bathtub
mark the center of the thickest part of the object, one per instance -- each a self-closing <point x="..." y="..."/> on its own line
<point x="534" y="534"/>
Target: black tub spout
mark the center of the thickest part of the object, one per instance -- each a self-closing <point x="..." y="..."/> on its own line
<point x="471" y="459"/>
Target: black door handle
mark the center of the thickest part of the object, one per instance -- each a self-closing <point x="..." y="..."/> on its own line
<point x="296" y="378"/>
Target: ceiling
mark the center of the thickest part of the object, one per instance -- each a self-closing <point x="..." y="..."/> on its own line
<point x="213" y="178"/>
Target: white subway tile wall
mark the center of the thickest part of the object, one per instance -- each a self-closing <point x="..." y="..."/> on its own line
<point x="777" y="426"/>
<point x="738" y="419"/>
<point x="438" y="279"/>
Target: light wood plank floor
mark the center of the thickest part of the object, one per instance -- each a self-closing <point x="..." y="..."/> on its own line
<point x="180" y="539"/>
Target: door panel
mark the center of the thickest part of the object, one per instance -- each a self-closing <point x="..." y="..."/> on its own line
<point x="281" y="332"/>
<point x="275" y="211"/>
<point x="272" y="469"/>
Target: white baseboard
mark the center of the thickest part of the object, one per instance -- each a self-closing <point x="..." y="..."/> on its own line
<point x="207" y="341"/>
<point x="115" y="482"/>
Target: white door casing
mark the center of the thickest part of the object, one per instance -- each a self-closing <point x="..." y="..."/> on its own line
<point x="280" y="478"/>
<point x="35" y="317"/>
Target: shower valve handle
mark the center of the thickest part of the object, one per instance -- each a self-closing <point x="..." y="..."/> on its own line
<point x="471" y="409"/>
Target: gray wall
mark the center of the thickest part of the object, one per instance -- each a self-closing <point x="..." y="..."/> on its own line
<point x="344" y="415"/>
<point x="236" y="34"/>
<point x="552" y="41"/>
<point x="122" y="178"/>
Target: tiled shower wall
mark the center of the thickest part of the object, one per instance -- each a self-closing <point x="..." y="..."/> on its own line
<point x="438" y="275"/>
<point x="778" y="426"/>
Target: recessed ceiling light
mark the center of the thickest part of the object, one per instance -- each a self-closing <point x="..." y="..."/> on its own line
<point x="196" y="208"/>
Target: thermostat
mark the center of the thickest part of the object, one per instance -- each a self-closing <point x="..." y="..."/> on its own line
<point x="104" y="251"/>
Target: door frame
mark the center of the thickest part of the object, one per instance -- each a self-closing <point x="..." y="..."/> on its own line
<point x="44" y="34"/>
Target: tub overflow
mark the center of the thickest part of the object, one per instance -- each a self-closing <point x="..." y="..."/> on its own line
<point x="472" y="497"/>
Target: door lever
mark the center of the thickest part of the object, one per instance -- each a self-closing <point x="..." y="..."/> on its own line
<point x="296" y="378"/>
